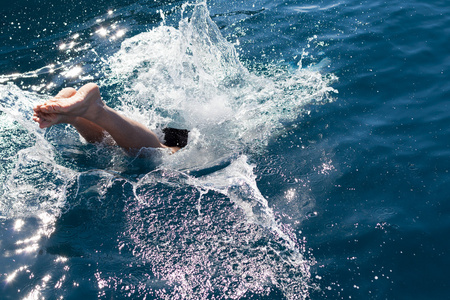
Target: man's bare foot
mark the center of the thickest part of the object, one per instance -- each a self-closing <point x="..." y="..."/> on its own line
<point x="46" y="119"/>
<point x="85" y="103"/>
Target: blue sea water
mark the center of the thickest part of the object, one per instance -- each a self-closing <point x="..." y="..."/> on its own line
<point x="317" y="164"/>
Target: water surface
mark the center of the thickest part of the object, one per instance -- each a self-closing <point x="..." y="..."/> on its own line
<point x="316" y="167"/>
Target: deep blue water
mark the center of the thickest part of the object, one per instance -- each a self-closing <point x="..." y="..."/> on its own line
<point x="317" y="166"/>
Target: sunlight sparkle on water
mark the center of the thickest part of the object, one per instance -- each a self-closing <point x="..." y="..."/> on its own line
<point x="74" y="72"/>
<point x="102" y="31"/>
<point x="14" y="274"/>
<point x="29" y="245"/>
<point x="120" y="33"/>
<point x="29" y="249"/>
<point x="35" y="238"/>
<point x="61" y="259"/>
<point x="290" y="194"/>
<point x="18" y="224"/>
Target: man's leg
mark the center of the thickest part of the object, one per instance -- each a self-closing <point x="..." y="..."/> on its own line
<point x="86" y="103"/>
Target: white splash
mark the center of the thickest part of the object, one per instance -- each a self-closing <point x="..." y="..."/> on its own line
<point x="191" y="77"/>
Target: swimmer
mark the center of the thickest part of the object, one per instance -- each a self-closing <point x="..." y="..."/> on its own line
<point x="85" y="110"/>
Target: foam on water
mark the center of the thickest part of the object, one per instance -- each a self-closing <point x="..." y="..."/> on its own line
<point x="197" y="223"/>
